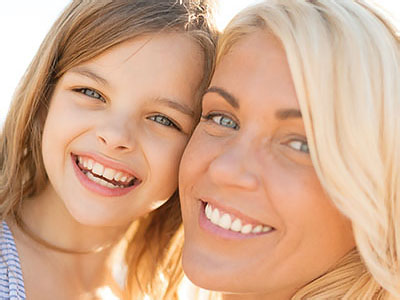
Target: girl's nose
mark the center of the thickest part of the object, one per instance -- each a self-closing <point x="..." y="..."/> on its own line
<point x="116" y="134"/>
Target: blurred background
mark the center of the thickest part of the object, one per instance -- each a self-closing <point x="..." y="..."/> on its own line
<point x="24" y="23"/>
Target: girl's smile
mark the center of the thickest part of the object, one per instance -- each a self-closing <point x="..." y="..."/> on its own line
<point x="105" y="178"/>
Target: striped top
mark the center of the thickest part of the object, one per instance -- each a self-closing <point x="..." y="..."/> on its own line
<point x="11" y="280"/>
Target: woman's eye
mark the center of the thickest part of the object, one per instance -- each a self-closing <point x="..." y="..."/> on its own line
<point x="222" y="120"/>
<point x="163" y="121"/>
<point x="299" y="146"/>
<point x="91" y="93"/>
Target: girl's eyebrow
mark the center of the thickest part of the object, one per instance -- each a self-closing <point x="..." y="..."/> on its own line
<point x="175" y="104"/>
<point x="232" y="100"/>
<point x="85" y="71"/>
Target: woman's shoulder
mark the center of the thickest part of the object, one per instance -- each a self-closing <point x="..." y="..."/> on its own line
<point x="11" y="279"/>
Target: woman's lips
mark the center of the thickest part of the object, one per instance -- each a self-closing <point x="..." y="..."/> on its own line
<point x="229" y="226"/>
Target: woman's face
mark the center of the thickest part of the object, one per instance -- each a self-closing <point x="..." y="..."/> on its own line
<point x="256" y="218"/>
<point x="117" y="126"/>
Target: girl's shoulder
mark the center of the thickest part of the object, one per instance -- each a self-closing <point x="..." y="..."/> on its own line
<point x="11" y="279"/>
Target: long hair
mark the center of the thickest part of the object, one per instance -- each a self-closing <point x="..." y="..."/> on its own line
<point x="84" y="30"/>
<point x="344" y="59"/>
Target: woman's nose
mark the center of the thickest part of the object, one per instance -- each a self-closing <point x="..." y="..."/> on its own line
<point x="233" y="167"/>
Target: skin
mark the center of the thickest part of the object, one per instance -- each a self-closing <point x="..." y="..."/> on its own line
<point x="135" y="82"/>
<point x="249" y="157"/>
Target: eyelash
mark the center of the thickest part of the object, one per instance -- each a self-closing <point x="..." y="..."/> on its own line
<point x="163" y="120"/>
<point x="91" y="93"/>
<point x="231" y="123"/>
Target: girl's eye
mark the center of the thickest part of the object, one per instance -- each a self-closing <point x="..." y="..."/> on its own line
<point x="163" y="120"/>
<point x="222" y="120"/>
<point x="91" y="93"/>
<point x="299" y="146"/>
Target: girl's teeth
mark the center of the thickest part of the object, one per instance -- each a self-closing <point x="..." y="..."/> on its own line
<point x="109" y="173"/>
<point x="224" y="220"/>
<point x="90" y="164"/>
<point x="98" y="169"/>
<point x="100" y="181"/>
<point x="117" y="176"/>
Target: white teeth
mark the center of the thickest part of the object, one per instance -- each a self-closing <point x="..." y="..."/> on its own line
<point x="215" y="216"/>
<point x="98" y="169"/>
<point x="246" y="229"/>
<point x="236" y="225"/>
<point x="109" y="173"/>
<point x="266" y="229"/>
<point x="208" y="211"/>
<point x="225" y="221"/>
<point x="100" y="181"/>
<point x="257" y="229"/>
<point x="118" y="176"/>
<point x="90" y="164"/>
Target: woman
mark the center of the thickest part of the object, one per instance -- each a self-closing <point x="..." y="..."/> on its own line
<point x="290" y="183"/>
<point x="90" y="150"/>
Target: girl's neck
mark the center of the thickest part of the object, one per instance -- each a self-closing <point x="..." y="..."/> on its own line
<point x="46" y="217"/>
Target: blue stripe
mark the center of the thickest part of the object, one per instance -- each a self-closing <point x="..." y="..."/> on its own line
<point x="11" y="278"/>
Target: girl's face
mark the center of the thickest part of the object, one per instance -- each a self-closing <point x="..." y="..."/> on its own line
<point x="117" y="126"/>
<point x="256" y="219"/>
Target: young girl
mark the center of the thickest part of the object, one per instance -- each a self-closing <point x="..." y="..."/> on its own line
<point x="290" y="184"/>
<point x="91" y="145"/>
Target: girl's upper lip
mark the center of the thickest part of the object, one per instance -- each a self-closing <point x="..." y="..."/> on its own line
<point x="107" y="162"/>
<point x="234" y="212"/>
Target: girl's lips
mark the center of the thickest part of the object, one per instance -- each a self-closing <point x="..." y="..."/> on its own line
<point x="107" y="163"/>
<point x="97" y="188"/>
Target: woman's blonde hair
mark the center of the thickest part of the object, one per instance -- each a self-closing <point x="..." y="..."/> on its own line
<point x="345" y="63"/>
<point x="84" y="30"/>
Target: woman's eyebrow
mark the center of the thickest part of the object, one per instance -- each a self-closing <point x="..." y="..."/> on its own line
<point x="85" y="71"/>
<point x="290" y="113"/>
<point x="224" y="94"/>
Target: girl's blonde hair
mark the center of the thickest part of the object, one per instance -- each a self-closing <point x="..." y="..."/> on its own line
<point x="345" y="63"/>
<point x="84" y="30"/>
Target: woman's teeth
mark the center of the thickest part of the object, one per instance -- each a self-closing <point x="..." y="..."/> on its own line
<point x="229" y="222"/>
<point x="92" y="168"/>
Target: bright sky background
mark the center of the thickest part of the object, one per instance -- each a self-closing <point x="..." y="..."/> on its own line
<point x="24" y="23"/>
